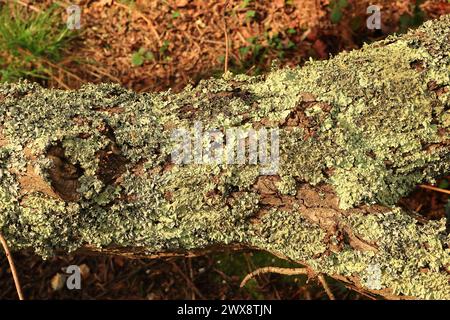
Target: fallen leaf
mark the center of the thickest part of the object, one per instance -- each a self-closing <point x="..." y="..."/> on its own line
<point x="57" y="282"/>
<point x="181" y="3"/>
<point x="84" y="270"/>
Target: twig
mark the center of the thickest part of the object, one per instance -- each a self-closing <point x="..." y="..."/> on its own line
<point x="227" y="45"/>
<point x="285" y="271"/>
<point x="356" y="289"/>
<point x="326" y="287"/>
<point x="42" y="60"/>
<point x="424" y="186"/>
<point x="12" y="267"/>
<point x="206" y="40"/>
<point x="419" y="208"/>
<point x="62" y="69"/>
<point x="188" y="280"/>
<point x="191" y="274"/>
<point x="60" y="82"/>
<point x="100" y="72"/>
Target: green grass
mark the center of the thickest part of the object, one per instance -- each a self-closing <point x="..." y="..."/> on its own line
<point x="415" y="20"/>
<point x="29" y="41"/>
<point x="337" y="10"/>
<point x="259" y="50"/>
<point x="236" y="264"/>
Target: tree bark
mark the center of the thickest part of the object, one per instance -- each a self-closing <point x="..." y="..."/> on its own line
<point x="92" y="168"/>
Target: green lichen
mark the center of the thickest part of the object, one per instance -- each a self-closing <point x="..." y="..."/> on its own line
<point x="363" y="134"/>
<point x="412" y="258"/>
<point x="287" y="185"/>
<point x="292" y="235"/>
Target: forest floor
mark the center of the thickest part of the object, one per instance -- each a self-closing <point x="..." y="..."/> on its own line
<point x="157" y="45"/>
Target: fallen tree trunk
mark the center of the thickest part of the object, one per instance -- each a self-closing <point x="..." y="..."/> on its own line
<point x="93" y="168"/>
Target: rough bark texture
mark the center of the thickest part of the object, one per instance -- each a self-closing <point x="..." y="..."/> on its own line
<point x="92" y="168"/>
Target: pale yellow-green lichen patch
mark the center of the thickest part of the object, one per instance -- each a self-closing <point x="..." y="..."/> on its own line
<point x="411" y="257"/>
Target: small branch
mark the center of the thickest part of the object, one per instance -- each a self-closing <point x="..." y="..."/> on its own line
<point x="424" y="186"/>
<point x="188" y="280"/>
<point x="326" y="287"/>
<point x="285" y="271"/>
<point x="12" y="267"/>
